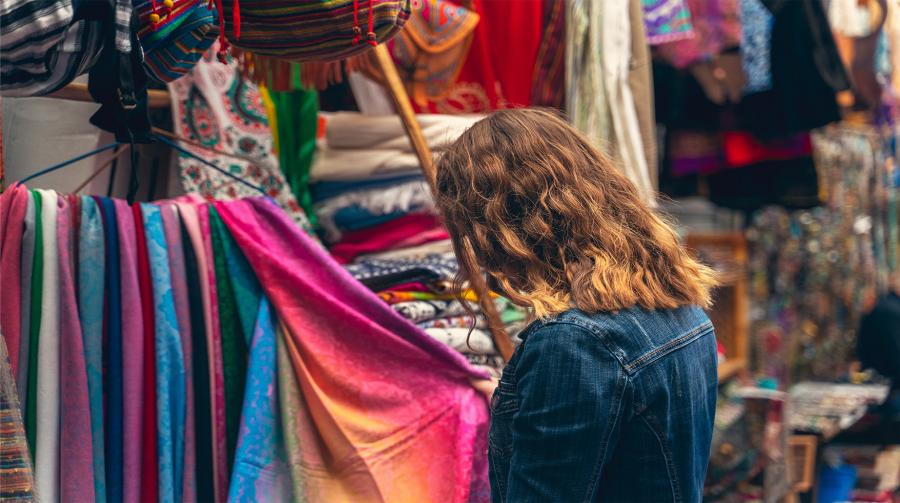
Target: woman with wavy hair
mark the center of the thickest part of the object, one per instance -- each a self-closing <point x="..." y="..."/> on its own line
<point x="611" y="393"/>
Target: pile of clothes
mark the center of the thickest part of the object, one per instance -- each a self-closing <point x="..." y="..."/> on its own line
<point x="377" y="217"/>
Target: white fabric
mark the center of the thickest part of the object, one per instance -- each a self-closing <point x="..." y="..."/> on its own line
<point x="421" y="251"/>
<point x="358" y="146"/>
<point x="370" y="96"/>
<point x="616" y="44"/>
<point x="480" y="342"/>
<point x="46" y="472"/>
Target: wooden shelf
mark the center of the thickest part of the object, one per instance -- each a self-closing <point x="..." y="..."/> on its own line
<point x="731" y="368"/>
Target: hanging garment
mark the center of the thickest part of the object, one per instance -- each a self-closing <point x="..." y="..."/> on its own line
<point x="16" y="473"/>
<point x="587" y="102"/>
<point x="91" y="282"/>
<point x="548" y="83"/>
<point x="215" y="343"/>
<point x="431" y="50"/>
<point x="180" y="297"/>
<point x="233" y="345"/>
<point x="640" y="83"/>
<point x="170" y="367"/>
<point x="386" y="440"/>
<point x="46" y="473"/>
<point x="117" y="414"/>
<point x="189" y="211"/>
<point x="290" y="402"/>
<point x="294" y="126"/>
<point x="666" y="20"/>
<point x="215" y="106"/>
<point x="506" y="41"/>
<point x="26" y="353"/>
<point x="261" y="472"/>
<point x="76" y="449"/>
<point x="150" y="453"/>
<point x="756" y="37"/>
<point x="131" y="348"/>
<point x="13" y="204"/>
<point x="200" y="370"/>
<point x="37" y="289"/>
<point x="716" y="27"/>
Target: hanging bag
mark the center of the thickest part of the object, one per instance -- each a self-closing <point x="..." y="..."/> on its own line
<point x="174" y="35"/>
<point x="310" y="30"/>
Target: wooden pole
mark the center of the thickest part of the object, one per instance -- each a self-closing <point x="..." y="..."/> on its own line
<point x="398" y="94"/>
<point x="404" y="108"/>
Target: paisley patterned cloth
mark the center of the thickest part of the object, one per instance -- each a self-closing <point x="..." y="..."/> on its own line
<point x="170" y="368"/>
<point x="261" y="472"/>
<point x="91" y="273"/>
<point x="215" y="106"/>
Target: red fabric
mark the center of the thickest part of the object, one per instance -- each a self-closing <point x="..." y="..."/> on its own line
<point x="408" y="287"/>
<point x="498" y="69"/>
<point x="13" y="203"/>
<point x="150" y="472"/>
<point x="408" y="230"/>
<point x="742" y="149"/>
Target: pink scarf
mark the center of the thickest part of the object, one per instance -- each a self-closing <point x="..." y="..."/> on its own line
<point x="388" y="413"/>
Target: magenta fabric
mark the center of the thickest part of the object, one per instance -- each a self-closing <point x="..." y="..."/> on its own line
<point x="13" y="202"/>
<point x="220" y="445"/>
<point x="132" y="354"/>
<point x="408" y="230"/>
<point x="76" y="465"/>
<point x="172" y="228"/>
<point x="388" y="413"/>
<point x="717" y="27"/>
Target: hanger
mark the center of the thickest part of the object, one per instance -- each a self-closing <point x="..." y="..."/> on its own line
<point x="133" y="188"/>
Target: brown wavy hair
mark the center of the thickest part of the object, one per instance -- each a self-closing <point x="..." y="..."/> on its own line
<point x="554" y="225"/>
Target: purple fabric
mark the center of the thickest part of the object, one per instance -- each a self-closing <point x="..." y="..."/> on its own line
<point x="132" y="354"/>
<point x="76" y="465"/>
<point x="172" y="227"/>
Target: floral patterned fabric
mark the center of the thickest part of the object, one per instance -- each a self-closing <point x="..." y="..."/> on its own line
<point x="216" y="107"/>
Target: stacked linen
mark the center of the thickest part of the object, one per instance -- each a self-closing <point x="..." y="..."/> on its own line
<point x="368" y="191"/>
<point x="418" y="287"/>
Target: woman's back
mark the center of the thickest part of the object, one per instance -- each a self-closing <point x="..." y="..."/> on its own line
<point x="606" y="407"/>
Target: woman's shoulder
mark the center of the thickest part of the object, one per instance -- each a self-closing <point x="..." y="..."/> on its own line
<point x="632" y="335"/>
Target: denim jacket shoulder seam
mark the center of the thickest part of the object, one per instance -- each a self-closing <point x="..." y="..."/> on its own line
<point x="668" y="347"/>
<point x="596" y="334"/>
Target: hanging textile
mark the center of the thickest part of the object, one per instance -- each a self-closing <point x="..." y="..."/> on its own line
<point x="16" y="475"/>
<point x="507" y="40"/>
<point x="315" y="299"/>
<point x="548" y="83"/>
<point x="257" y="394"/>
<point x="666" y="20"/>
<point x="215" y="106"/>
<point x="295" y="119"/>
<point x="599" y="97"/>
<point x="76" y="449"/>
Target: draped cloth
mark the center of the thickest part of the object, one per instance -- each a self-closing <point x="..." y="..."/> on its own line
<point x="131" y="323"/>
<point x="13" y="204"/>
<point x="386" y="412"/>
<point x="170" y="368"/>
<point x="48" y="384"/>
<point x="91" y="276"/>
<point x="76" y="448"/>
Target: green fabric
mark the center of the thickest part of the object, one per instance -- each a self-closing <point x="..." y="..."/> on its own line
<point x="291" y="407"/>
<point x="246" y="288"/>
<point x="34" y="332"/>
<point x="234" y="346"/>
<point x="296" y="119"/>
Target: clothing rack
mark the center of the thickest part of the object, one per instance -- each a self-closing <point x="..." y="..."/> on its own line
<point x="400" y="98"/>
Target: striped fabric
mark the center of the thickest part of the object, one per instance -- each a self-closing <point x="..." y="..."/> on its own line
<point x="314" y="30"/>
<point x="174" y="46"/>
<point x="45" y="48"/>
<point x="16" y="475"/>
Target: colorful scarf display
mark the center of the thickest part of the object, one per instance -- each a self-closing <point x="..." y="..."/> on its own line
<point x="250" y="391"/>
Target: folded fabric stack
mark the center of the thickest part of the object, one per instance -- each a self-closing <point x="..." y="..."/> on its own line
<point x="418" y="287"/>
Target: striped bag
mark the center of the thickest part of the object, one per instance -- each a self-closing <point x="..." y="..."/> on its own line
<point x="311" y="30"/>
<point x="174" y="35"/>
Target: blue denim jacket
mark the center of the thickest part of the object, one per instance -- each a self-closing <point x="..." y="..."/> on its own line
<point x="606" y="407"/>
